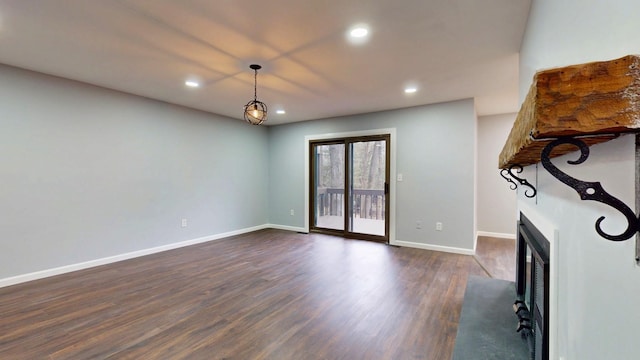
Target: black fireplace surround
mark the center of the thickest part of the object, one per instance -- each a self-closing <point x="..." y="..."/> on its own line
<point x="532" y="288"/>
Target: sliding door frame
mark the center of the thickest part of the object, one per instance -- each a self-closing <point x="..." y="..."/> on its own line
<point x="348" y="192"/>
<point x="391" y="168"/>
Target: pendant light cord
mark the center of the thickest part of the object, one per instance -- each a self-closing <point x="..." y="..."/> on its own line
<point x="255" y="84"/>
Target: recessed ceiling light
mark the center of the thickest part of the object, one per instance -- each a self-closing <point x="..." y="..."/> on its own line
<point x="410" y="90"/>
<point x="359" y="32"/>
<point x="280" y="112"/>
<point x="191" y="83"/>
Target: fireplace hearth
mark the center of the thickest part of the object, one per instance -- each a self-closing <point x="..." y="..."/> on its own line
<point x="532" y="288"/>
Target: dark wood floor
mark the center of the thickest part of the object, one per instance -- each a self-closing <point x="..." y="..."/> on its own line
<point x="497" y="256"/>
<point x="266" y="295"/>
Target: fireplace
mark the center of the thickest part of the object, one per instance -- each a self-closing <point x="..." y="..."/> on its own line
<point x="566" y="111"/>
<point x="532" y="288"/>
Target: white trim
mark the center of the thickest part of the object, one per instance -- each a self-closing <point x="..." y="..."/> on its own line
<point x="134" y="254"/>
<point x="496" y="235"/>
<point x="392" y="186"/>
<point x="287" y="227"/>
<point x="441" y="248"/>
<point x="112" y="259"/>
<point x="475" y="176"/>
<point x="306" y="183"/>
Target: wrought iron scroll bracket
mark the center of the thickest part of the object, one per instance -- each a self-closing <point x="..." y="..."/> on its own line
<point x="590" y="190"/>
<point x="514" y="180"/>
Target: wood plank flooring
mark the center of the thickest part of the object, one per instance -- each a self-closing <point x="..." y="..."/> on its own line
<point x="497" y="256"/>
<point x="270" y="294"/>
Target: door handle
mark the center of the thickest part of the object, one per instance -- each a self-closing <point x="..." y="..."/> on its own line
<point x="386" y="188"/>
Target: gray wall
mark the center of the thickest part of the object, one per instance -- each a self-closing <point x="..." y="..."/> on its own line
<point x="497" y="213"/>
<point x="88" y="173"/>
<point x="435" y="154"/>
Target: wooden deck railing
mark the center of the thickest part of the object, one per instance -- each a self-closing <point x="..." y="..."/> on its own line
<point x="367" y="204"/>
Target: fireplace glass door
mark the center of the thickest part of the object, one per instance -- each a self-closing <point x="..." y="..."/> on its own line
<point x="532" y="288"/>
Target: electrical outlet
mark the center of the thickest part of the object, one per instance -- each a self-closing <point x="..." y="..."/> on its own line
<point x="184" y="223"/>
<point x="418" y="224"/>
<point x="291" y="212"/>
<point x="439" y="226"/>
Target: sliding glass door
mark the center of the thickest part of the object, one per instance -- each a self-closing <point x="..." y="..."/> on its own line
<point x="350" y="187"/>
<point x="329" y="186"/>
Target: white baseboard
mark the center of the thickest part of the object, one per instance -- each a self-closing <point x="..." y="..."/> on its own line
<point x="496" y="235"/>
<point x="286" y="227"/>
<point x="112" y="259"/>
<point x="448" y="249"/>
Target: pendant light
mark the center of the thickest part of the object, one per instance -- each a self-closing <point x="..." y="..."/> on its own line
<point x="255" y="112"/>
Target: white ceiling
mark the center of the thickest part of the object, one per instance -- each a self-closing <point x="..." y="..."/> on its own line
<point x="449" y="49"/>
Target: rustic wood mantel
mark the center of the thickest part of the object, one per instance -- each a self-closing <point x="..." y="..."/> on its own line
<point x="596" y="101"/>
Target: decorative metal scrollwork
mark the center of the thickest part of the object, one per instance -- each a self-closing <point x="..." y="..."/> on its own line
<point x="590" y="190"/>
<point x="530" y="193"/>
